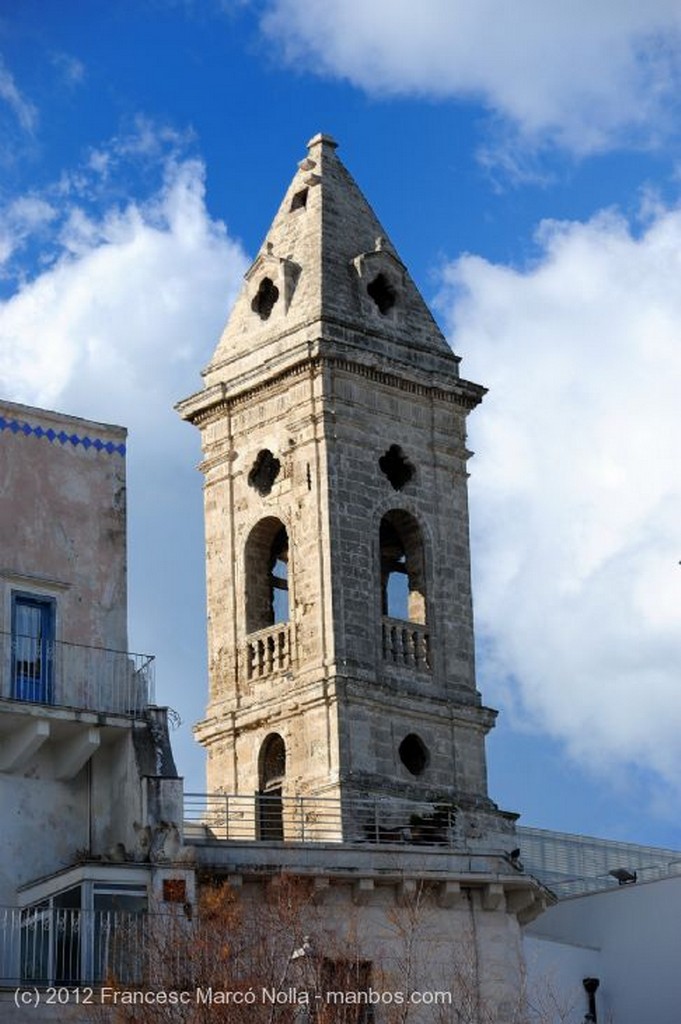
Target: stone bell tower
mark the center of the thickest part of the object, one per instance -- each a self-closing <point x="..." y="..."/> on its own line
<point x="337" y="547"/>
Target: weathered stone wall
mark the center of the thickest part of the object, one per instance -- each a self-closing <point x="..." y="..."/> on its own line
<point x="328" y="427"/>
<point x="440" y="703"/>
<point x="373" y="412"/>
<point x="247" y="704"/>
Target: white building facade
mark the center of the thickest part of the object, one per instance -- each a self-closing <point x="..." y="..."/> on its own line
<point x="626" y="939"/>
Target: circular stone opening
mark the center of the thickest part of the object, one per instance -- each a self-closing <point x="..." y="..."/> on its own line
<point x="414" y="754"/>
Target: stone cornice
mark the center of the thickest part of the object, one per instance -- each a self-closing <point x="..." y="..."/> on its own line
<point x="205" y="406"/>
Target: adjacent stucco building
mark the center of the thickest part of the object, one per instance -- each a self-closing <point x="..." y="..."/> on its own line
<point x="90" y="800"/>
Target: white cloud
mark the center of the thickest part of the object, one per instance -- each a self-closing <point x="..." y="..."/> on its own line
<point x="65" y="216"/>
<point x="23" y="110"/>
<point x="117" y="329"/>
<point x="583" y="75"/>
<point x="576" y="487"/>
<point x="144" y="144"/>
<point x="21" y="218"/>
<point x="70" y="68"/>
<point x="122" y="277"/>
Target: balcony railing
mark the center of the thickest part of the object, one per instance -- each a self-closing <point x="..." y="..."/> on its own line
<point x="313" y="819"/>
<point x="268" y="651"/>
<point x="65" y="675"/>
<point x="49" y="946"/>
<point x="406" y="644"/>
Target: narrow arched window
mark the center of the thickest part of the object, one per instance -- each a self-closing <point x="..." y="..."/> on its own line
<point x="272" y="763"/>
<point x="402" y="567"/>
<point x="267" y="584"/>
<point x="271" y="773"/>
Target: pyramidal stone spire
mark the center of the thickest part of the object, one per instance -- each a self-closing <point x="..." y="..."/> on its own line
<point x="327" y="282"/>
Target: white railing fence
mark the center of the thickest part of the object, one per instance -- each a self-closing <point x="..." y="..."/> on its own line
<point x="50" y="946"/>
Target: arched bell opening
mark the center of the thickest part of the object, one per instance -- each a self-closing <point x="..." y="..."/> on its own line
<point x="403" y="589"/>
<point x="267" y="580"/>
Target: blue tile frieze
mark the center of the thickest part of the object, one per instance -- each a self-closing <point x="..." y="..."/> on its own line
<point x="61" y="437"/>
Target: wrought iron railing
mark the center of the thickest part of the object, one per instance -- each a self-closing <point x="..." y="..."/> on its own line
<point x="68" y="675"/>
<point x="406" y="644"/>
<point x="271" y="817"/>
<point x="48" y="946"/>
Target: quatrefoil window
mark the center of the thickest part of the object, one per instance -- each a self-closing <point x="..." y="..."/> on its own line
<point x="264" y="472"/>
<point x="397" y="467"/>
<point x="265" y="298"/>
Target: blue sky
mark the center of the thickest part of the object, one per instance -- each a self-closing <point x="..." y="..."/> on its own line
<point x="525" y="159"/>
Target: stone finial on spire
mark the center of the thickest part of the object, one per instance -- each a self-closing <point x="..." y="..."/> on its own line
<point x="320" y="139"/>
